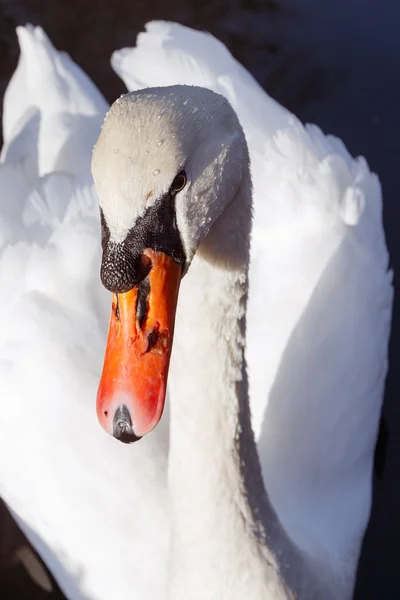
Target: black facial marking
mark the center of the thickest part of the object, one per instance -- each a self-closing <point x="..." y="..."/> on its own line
<point x="152" y="339"/>
<point x="142" y="304"/>
<point x="117" y="308"/>
<point x="122" y="267"/>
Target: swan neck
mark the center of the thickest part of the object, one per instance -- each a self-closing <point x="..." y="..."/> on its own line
<point x="216" y="489"/>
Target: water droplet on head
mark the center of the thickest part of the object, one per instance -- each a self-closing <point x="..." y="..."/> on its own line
<point x="146" y="152"/>
<point x="160" y="142"/>
<point x="156" y="172"/>
<point x="116" y="151"/>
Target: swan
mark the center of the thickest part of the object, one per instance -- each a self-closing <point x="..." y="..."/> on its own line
<point x="318" y="321"/>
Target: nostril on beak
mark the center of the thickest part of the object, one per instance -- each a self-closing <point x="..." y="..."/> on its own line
<point x="122" y="426"/>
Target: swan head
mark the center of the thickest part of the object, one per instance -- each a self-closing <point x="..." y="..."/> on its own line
<point x="166" y="164"/>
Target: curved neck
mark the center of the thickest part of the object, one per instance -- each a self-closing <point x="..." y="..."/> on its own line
<point x="226" y="539"/>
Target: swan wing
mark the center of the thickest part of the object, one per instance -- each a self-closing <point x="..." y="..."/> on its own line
<point x="93" y="508"/>
<point x="319" y="276"/>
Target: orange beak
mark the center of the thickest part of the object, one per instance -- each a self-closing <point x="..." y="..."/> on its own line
<point x="131" y="394"/>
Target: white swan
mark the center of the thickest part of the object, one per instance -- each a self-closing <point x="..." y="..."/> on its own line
<point x="319" y="245"/>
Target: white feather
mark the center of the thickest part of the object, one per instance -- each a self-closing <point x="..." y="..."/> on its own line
<point x="318" y="323"/>
<point x="320" y="296"/>
<point x="83" y="501"/>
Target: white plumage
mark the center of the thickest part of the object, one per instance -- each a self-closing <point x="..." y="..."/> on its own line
<point x="318" y="355"/>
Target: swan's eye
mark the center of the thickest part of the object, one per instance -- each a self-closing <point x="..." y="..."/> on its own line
<point x="178" y="183"/>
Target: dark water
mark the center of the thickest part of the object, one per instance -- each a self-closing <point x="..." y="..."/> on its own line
<point x="332" y="62"/>
<point x="23" y="576"/>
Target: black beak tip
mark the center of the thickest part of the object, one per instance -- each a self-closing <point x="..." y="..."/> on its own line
<point x="122" y="426"/>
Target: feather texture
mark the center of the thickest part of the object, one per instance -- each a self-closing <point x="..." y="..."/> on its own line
<point x="318" y="323"/>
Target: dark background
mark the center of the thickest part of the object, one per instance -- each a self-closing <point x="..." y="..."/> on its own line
<point x="335" y="63"/>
